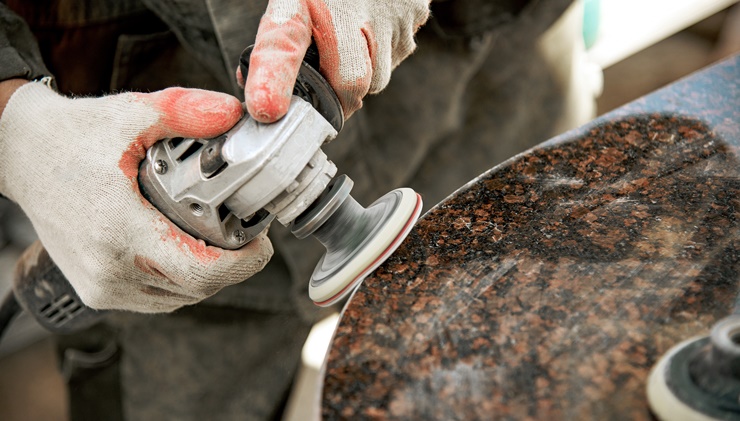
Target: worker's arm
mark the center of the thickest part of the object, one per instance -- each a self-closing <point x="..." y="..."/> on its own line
<point x="7" y="87"/>
<point x="20" y="59"/>
<point x="359" y="41"/>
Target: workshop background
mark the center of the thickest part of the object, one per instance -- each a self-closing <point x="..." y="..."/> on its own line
<point x="632" y="47"/>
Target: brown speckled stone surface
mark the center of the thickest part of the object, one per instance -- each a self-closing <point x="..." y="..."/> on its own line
<point x="548" y="287"/>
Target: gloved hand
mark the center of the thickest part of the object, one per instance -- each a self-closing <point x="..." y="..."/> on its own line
<point x="72" y="166"/>
<point x="359" y="41"/>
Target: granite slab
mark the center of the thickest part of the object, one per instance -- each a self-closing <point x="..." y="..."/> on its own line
<point x="548" y="287"/>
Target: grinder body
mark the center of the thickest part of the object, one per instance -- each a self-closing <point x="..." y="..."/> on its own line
<point x="227" y="190"/>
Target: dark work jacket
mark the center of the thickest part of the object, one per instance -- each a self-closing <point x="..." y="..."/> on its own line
<point x="213" y="32"/>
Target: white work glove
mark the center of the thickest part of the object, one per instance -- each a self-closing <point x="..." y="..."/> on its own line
<point x="359" y="41"/>
<point x="72" y="165"/>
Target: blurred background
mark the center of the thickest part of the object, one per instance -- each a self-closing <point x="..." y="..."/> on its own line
<point x="630" y="48"/>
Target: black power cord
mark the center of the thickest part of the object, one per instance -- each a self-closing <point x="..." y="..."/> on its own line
<point x="8" y="310"/>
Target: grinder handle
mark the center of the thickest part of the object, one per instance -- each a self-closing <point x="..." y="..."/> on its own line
<point x="42" y="290"/>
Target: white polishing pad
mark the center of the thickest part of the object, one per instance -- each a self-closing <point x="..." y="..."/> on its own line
<point x="327" y="290"/>
<point x="665" y="404"/>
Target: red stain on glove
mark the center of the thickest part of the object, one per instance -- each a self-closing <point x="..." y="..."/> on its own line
<point x="274" y="64"/>
<point x="188" y="244"/>
<point x="150" y="267"/>
<point x="184" y="113"/>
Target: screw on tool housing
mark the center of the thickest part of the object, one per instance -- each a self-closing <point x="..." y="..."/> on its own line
<point x="239" y="236"/>
<point x="160" y="166"/>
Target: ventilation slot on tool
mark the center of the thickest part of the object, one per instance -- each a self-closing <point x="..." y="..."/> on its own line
<point x="61" y="310"/>
<point x="223" y="212"/>
<point x="175" y="142"/>
<point x="258" y="217"/>
<point x="195" y="147"/>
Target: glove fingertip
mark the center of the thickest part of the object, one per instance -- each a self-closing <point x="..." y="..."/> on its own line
<point x="196" y="112"/>
<point x="274" y="64"/>
<point x="266" y="106"/>
<point x="240" y="78"/>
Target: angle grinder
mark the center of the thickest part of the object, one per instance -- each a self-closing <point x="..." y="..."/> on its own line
<point x="228" y="189"/>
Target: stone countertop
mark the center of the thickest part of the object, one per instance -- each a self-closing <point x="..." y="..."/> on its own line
<point x="548" y="287"/>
